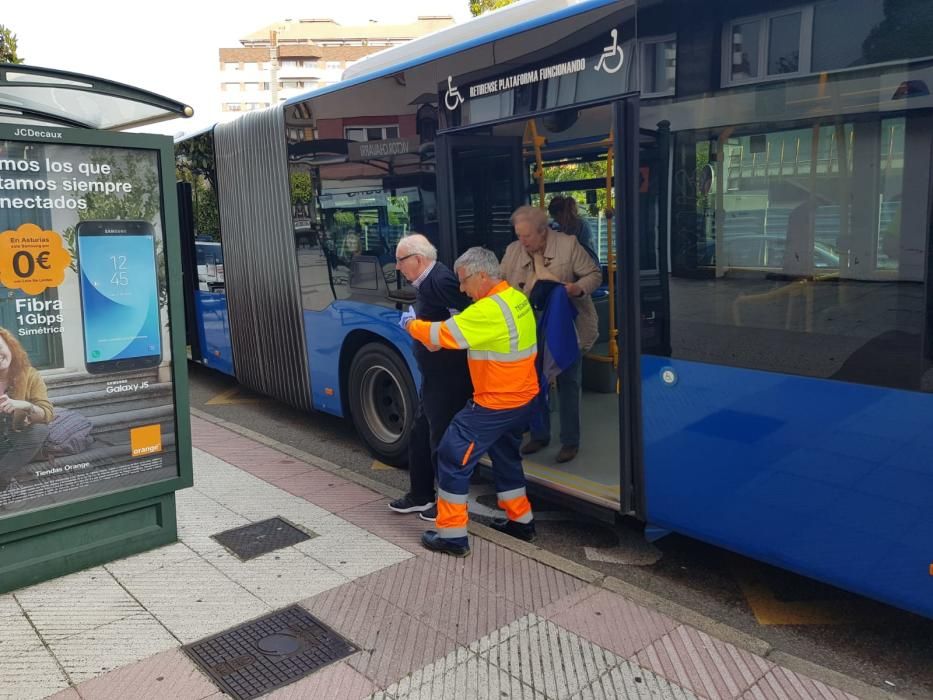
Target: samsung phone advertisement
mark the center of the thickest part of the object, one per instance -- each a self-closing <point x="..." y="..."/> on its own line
<point x="86" y="399"/>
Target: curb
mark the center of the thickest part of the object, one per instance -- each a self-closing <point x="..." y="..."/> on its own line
<point x="685" y="615"/>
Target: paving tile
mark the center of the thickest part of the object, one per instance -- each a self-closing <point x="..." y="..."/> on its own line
<point x="410" y="583"/>
<point x="153" y="559"/>
<point x="237" y="453"/>
<point x="524" y="581"/>
<point x="499" y="636"/>
<point x="248" y="495"/>
<point x="707" y="666"/>
<point x="247" y="455"/>
<point x="9" y="606"/>
<point x="295" y="510"/>
<point x="259" y="504"/>
<point x="466" y="612"/>
<point x="426" y="674"/>
<point x="199" y="517"/>
<point x="191" y="611"/>
<point x="213" y="473"/>
<point x="351" y="551"/>
<point x="462" y="676"/>
<point x="396" y="646"/>
<point x="109" y="647"/>
<point x="627" y="680"/>
<point x="17" y="635"/>
<point x="279" y="578"/>
<point x="392" y="642"/>
<point x="52" y="608"/>
<point x="551" y="659"/>
<point x="232" y="487"/>
<point x="32" y="673"/>
<point x="782" y="684"/>
<point x="403" y="530"/>
<point x="66" y="694"/>
<point x="335" y="681"/>
<point x="276" y="466"/>
<point x="615" y="623"/>
<point x="350" y="609"/>
<point x="195" y="506"/>
<point x="342" y="497"/>
<point x="255" y="500"/>
<point x="566" y="602"/>
<point x="330" y="525"/>
<point x="169" y="674"/>
<point x="310" y="482"/>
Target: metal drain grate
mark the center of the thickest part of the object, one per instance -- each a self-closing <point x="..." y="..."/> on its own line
<point x="250" y="541"/>
<point x="265" y="654"/>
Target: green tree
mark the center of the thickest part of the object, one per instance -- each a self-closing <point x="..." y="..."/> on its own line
<point x="398" y="211"/>
<point x="569" y="172"/>
<point x="195" y="157"/>
<point x="194" y="163"/>
<point x="302" y="190"/>
<point x="905" y="32"/>
<point x="8" y="46"/>
<point x="478" y="7"/>
<point x="205" y="211"/>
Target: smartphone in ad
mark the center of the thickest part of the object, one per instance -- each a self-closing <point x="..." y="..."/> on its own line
<point x="119" y="295"/>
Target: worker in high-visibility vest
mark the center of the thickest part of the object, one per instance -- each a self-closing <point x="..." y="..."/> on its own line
<point x="498" y="331"/>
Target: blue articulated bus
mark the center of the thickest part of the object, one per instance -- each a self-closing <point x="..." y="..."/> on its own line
<point x="756" y="177"/>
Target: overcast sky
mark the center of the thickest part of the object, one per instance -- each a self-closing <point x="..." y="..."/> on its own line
<point x="170" y="46"/>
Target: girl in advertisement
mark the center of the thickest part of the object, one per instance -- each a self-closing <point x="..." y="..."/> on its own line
<point x="25" y="409"/>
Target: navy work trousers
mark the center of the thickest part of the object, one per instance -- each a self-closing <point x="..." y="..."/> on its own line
<point x="475" y="431"/>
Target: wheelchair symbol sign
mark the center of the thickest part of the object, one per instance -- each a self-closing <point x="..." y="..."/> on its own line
<point x="610" y="53"/>
<point x="453" y="98"/>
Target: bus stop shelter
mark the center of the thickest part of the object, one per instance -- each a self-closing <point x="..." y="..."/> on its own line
<point x="91" y="476"/>
<point x="45" y="96"/>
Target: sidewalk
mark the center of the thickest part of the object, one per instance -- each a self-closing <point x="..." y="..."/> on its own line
<point x="498" y="624"/>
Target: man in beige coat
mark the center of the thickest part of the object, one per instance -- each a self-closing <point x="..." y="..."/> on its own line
<point x="542" y="253"/>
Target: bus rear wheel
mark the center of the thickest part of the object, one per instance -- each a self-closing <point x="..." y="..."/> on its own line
<point x="382" y="399"/>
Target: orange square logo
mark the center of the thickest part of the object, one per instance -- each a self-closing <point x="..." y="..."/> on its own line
<point x="146" y="440"/>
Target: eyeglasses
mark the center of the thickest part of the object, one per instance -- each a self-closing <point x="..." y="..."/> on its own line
<point x="404" y="258"/>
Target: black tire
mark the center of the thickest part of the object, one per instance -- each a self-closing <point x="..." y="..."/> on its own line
<point x="382" y="400"/>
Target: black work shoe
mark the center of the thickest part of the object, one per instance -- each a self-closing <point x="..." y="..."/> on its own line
<point x="567" y="452"/>
<point x="407" y="504"/>
<point x="533" y="446"/>
<point x="523" y="531"/>
<point x="430" y="514"/>
<point x="431" y="540"/>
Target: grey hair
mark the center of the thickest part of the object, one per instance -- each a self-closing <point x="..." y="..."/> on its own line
<point x="533" y="215"/>
<point x="418" y="244"/>
<point x="479" y="259"/>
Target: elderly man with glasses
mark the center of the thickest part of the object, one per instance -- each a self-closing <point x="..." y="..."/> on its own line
<point x="445" y="379"/>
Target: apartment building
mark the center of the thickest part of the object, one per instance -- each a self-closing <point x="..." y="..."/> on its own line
<point x="298" y="55"/>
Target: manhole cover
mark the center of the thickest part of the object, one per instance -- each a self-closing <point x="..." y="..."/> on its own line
<point x="250" y="541"/>
<point x="265" y="654"/>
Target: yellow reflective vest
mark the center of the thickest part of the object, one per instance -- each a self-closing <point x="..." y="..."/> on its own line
<point x="500" y="337"/>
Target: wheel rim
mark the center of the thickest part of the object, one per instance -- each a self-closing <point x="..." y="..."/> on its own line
<point x="384" y="405"/>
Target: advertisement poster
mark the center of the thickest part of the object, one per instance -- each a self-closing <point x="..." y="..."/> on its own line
<point x="86" y="395"/>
